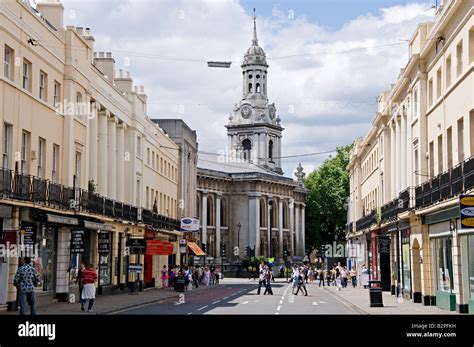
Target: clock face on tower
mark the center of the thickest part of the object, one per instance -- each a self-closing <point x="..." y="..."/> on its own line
<point x="246" y="112"/>
<point x="272" y="112"/>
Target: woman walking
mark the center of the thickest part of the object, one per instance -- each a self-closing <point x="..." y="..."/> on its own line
<point x="206" y="276"/>
<point x="79" y="279"/>
<point x="338" y="278"/>
<point x="268" y="280"/>
<point x="321" y="277"/>
<point x="353" y="277"/>
<point x="89" y="278"/>
<point x="164" y="277"/>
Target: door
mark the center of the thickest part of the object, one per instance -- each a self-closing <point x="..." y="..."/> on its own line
<point x="148" y="273"/>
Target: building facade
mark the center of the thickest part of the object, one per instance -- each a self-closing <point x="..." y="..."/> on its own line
<point x="407" y="174"/>
<point x="81" y="160"/>
<point x="244" y="202"/>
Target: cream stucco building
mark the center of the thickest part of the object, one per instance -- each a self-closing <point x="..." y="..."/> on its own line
<point x="79" y="152"/>
<point x="407" y="174"/>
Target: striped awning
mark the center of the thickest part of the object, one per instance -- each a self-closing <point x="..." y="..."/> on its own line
<point x="195" y="248"/>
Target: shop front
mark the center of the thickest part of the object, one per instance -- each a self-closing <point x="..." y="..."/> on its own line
<point x="405" y="265"/>
<point x="470" y="270"/>
<point x="160" y="252"/>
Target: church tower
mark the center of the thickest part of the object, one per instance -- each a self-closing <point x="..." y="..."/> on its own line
<point x="253" y="130"/>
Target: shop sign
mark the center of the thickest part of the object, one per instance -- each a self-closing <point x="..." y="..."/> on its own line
<point x="157" y="247"/>
<point x="136" y="246"/>
<point x="135" y="268"/>
<point x="189" y="224"/>
<point x="466" y="209"/>
<point x="97" y="226"/>
<point x="52" y="218"/>
<point x="384" y="245"/>
<point x="104" y="243"/>
<point x="77" y="241"/>
<point x="28" y="235"/>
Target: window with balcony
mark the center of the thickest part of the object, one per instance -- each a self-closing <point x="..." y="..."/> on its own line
<point x="43" y="86"/>
<point x="26" y="75"/>
<point x="77" y="168"/>
<point x="8" y="63"/>
<point x="440" y="154"/>
<point x="25" y="151"/>
<point x="460" y="140"/>
<point x="7" y="139"/>
<point x="138" y="194"/>
<point x="41" y="157"/>
<point x="459" y="50"/>
<point x="431" y="155"/>
<point x="449" y="143"/>
<point x="55" y="164"/>
<point x="57" y="94"/>
<point x="416" y="176"/>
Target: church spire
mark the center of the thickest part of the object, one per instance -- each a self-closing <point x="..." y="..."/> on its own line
<point x="254" y="40"/>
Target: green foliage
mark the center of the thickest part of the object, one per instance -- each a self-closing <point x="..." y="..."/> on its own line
<point x="328" y="187"/>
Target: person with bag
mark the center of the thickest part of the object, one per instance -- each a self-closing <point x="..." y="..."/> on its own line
<point x="268" y="275"/>
<point x="26" y="279"/>
<point x="301" y="283"/>
<point x="79" y="279"/>
<point x="89" y="278"/>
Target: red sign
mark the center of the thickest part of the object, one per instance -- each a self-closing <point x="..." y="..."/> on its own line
<point x="157" y="247"/>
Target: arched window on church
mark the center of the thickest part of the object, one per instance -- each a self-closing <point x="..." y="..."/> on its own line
<point x="257" y="88"/>
<point x="247" y="145"/>
<point x="223" y="213"/>
<point x="250" y="87"/>
<point x="210" y="211"/>
<point x="263" y="213"/>
<point x="270" y="150"/>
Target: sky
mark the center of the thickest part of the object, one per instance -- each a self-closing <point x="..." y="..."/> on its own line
<point x="329" y="60"/>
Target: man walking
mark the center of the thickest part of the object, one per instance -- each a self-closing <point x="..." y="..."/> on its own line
<point x="26" y="279"/>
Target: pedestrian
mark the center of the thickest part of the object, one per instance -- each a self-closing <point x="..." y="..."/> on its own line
<point x="189" y="275"/>
<point x="164" y="277"/>
<point x="321" y="277"/>
<point x="206" y="276"/>
<point x="79" y="279"/>
<point x="171" y="276"/>
<point x="180" y="282"/>
<point x="268" y="280"/>
<point x="353" y="276"/>
<point x="338" y="279"/>
<point x="301" y="284"/>
<point x="89" y="278"/>
<point x="294" y="278"/>
<point x="365" y="276"/>
<point x="26" y="279"/>
<point x="217" y="275"/>
<point x="328" y="276"/>
<point x="344" y="277"/>
<point x="261" y="278"/>
<point x="212" y="270"/>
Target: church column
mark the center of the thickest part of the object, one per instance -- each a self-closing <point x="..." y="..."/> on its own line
<point x="292" y="227"/>
<point x="297" y="229"/>
<point x="102" y="154"/>
<point x="218" y="226"/>
<point x="204" y="218"/>
<point x="111" y="157"/>
<point x="280" y="229"/>
<point x="254" y="221"/>
<point x="120" y="161"/>
<point x="302" y="237"/>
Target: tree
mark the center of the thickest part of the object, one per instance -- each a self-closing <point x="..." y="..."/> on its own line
<point x="328" y="187"/>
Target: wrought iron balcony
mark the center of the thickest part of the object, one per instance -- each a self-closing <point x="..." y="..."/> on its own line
<point x="366" y="221"/>
<point x="22" y="187"/>
<point x="446" y="185"/>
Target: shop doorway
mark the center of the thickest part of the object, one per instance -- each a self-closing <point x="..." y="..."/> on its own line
<point x="148" y="272"/>
<point x="416" y="265"/>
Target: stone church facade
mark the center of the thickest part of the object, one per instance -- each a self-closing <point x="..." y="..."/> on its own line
<point x="243" y="199"/>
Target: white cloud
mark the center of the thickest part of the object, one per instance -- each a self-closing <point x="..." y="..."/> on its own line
<point x="332" y="95"/>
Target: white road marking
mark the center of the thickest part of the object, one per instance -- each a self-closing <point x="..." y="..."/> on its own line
<point x="277" y="313"/>
<point x="278" y="308"/>
<point x="215" y="302"/>
<point x="202" y="308"/>
<point x="177" y="303"/>
<point x="281" y="302"/>
<point x="225" y="298"/>
<point x="189" y="313"/>
<point x="315" y="303"/>
<point x="245" y="303"/>
<point x="323" y="302"/>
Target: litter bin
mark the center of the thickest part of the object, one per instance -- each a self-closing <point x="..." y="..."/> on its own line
<point x="375" y="292"/>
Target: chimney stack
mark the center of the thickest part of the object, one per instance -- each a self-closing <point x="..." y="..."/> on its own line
<point x="53" y="11"/>
<point x="106" y="64"/>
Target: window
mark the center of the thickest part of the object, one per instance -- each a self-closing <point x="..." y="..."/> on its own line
<point x="26" y="75"/>
<point x="55" y="172"/>
<point x="7" y="138"/>
<point x="151" y="197"/>
<point x="25" y="150"/>
<point x="41" y="157"/>
<point x="57" y="93"/>
<point x="444" y="263"/>
<point x="270" y="150"/>
<point x="439" y="82"/>
<point x="430" y="92"/>
<point x="449" y="143"/>
<point x="416" y="166"/>
<point x="415" y="103"/>
<point x="168" y="174"/>
<point x="139" y="147"/>
<point x="77" y="168"/>
<point x="153" y="159"/>
<point x="8" y="63"/>
<point x="148" y="156"/>
<point x="460" y="140"/>
<point x="43" y="87"/>
<point x="448" y="71"/>
<point x="139" y="197"/>
<point x="147" y="197"/>
<point x="459" y="58"/>
<point x="471" y="45"/>
<point x="257" y="88"/>
<point x="247" y="145"/>
<point x="79" y="109"/>
<point x="440" y="154"/>
<point x="250" y="87"/>
<point x="431" y="154"/>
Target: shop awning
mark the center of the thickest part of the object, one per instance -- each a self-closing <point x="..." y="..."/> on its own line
<point x="195" y="248"/>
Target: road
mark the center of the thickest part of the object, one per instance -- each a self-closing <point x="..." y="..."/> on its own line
<point x="239" y="296"/>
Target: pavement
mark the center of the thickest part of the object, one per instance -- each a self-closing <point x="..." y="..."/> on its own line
<point x="358" y="299"/>
<point x="239" y="296"/>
